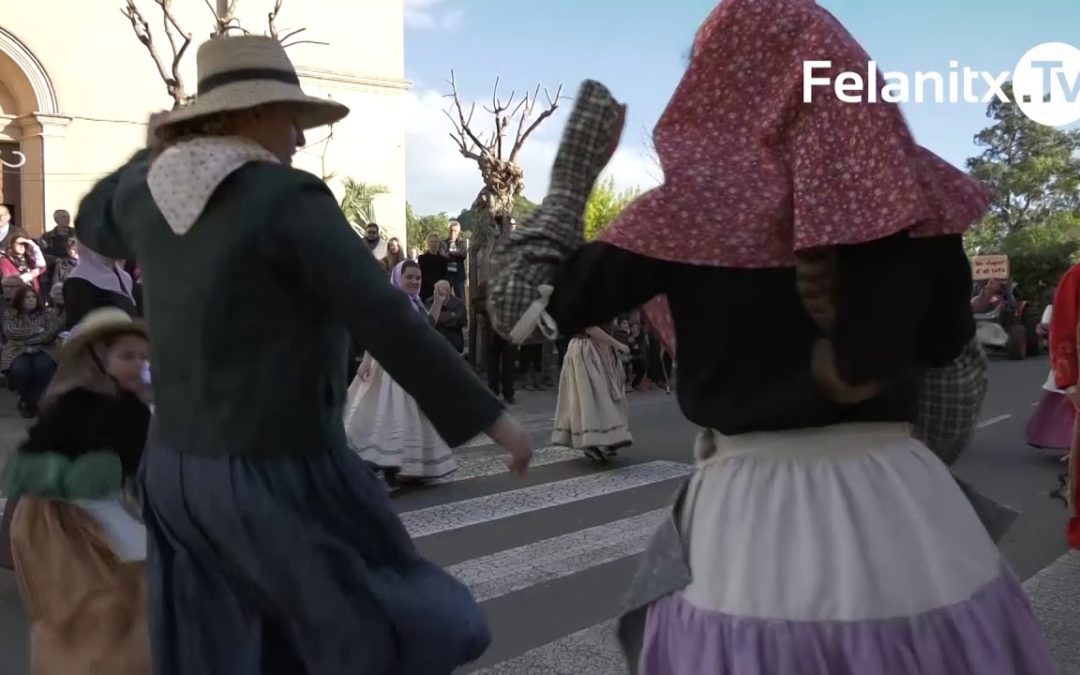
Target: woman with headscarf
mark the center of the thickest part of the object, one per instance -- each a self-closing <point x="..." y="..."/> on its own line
<point x="818" y="535"/>
<point x="384" y="423"/>
<point x="96" y="282"/>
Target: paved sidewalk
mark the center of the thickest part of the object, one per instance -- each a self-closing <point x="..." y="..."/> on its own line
<point x="1055" y="595"/>
<point x="12" y="426"/>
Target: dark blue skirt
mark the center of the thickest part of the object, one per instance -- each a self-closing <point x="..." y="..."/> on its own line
<point x="293" y="566"/>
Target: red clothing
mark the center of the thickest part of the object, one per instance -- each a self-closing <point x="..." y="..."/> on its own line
<point x="9" y="268"/>
<point x="1064" y="362"/>
<point x="753" y="176"/>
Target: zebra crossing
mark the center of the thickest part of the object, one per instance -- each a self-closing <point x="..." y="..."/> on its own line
<point x="548" y="556"/>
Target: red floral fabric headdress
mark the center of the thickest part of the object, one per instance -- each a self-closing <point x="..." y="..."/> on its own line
<point x="754" y="175"/>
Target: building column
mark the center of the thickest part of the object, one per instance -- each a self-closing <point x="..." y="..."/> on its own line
<point x="43" y="141"/>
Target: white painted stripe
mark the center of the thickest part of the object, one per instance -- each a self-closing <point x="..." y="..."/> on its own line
<point x="531" y="425"/>
<point x="514" y="569"/>
<point x="456" y="515"/>
<point x="492" y="462"/>
<point x="993" y="420"/>
<point x="593" y="651"/>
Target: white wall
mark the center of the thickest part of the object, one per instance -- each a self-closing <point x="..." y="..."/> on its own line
<point x="107" y="84"/>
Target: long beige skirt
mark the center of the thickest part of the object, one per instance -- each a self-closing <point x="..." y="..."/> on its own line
<point x="87" y="608"/>
<point x="591" y="411"/>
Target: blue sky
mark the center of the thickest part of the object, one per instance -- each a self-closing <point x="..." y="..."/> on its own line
<point x="638" y="49"/>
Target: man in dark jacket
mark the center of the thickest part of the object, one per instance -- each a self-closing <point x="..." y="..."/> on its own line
<point x="457" y="250"/>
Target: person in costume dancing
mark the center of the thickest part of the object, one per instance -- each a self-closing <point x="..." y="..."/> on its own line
<point x="1065" y="366"/>
<point x="79" y="555"/>
<point x="384" y="423"/>
<point x="818" y="534"/>
<point x="272" y="547"/>
<point x="591" y="413"/>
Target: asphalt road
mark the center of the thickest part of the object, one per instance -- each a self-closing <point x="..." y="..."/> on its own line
<point x="549" y="556"/>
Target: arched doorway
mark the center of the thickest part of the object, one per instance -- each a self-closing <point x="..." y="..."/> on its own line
<point x="29" y="120"/>
<point x="11" y="158"/>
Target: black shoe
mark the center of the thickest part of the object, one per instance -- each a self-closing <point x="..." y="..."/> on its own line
<point x="596" y="455"/>
<point x="510" y="400"/>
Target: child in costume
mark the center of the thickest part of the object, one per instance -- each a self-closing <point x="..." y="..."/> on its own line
<point x="79" y="555"/>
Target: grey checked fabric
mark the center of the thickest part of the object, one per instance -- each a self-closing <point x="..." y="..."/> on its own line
<point x="950" y="399"/>
<point x="527" y="263"/>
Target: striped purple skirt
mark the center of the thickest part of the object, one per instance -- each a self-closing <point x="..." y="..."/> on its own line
<point x="847" y="550"/>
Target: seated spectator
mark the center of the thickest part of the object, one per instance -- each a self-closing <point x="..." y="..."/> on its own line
<point x="11" y="286"/>
<point x="64" y="265"/>
<point x="31" y="331"/>
<point x="23" y="259"/>
<point x="448" y="312"/>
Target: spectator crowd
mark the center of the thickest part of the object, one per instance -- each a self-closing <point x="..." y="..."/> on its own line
<point x="49" y="285"/>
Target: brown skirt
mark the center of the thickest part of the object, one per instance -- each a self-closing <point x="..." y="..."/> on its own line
<point x="87" y="609"/>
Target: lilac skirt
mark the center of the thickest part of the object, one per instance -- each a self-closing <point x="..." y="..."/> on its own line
<point x="1051" y="427"/>
<point x="991" y="634"/>
<point x="846" y="550"/>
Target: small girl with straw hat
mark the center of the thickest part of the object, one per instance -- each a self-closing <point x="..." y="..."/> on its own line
<point x="78" y="554"/>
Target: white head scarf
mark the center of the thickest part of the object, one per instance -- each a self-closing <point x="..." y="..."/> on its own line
<point x="102" y="272"/>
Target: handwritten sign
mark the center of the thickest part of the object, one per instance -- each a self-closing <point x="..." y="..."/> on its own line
<point x="990" y="267"/>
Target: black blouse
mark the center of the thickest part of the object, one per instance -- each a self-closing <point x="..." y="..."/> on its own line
<point x="433" y="268"/>
<point x="744" y="340"/>
<point x="82" y="297"/>
<point x="83" y="421"/>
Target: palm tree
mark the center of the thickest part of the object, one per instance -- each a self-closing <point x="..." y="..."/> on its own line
<point x="358" y="202"/>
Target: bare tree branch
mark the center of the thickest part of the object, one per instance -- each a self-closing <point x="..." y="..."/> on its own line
<point x="553" y="105"/>
<point x="169" y="75"/>
<point x="655" y="169"/>
<point x="283" y="38"/>
<point x="223" y="23"/>
<point x="463" y="134"/>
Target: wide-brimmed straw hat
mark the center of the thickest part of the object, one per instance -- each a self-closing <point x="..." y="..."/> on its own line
<point x="99" y="324"/>
<point x="247" y="71"/>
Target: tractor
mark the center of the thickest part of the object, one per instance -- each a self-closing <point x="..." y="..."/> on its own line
<point x="1004" y="321"/>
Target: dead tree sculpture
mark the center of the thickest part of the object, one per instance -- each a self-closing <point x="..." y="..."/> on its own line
<point x="496" y="156"/>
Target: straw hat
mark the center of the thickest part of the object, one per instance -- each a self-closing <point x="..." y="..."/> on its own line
<point x="247" y="71"/>
<point x="98" y="324"/>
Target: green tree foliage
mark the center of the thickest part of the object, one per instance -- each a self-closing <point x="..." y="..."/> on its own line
<point x="358" y="202"/>
<point x="605" y="204"/>
<point x="470" y="218"/>
<point x="417" y="228"/>
<point x="1034" y="218"/>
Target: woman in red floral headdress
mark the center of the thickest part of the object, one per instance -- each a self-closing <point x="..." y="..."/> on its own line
<point x="819" y="534"/>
